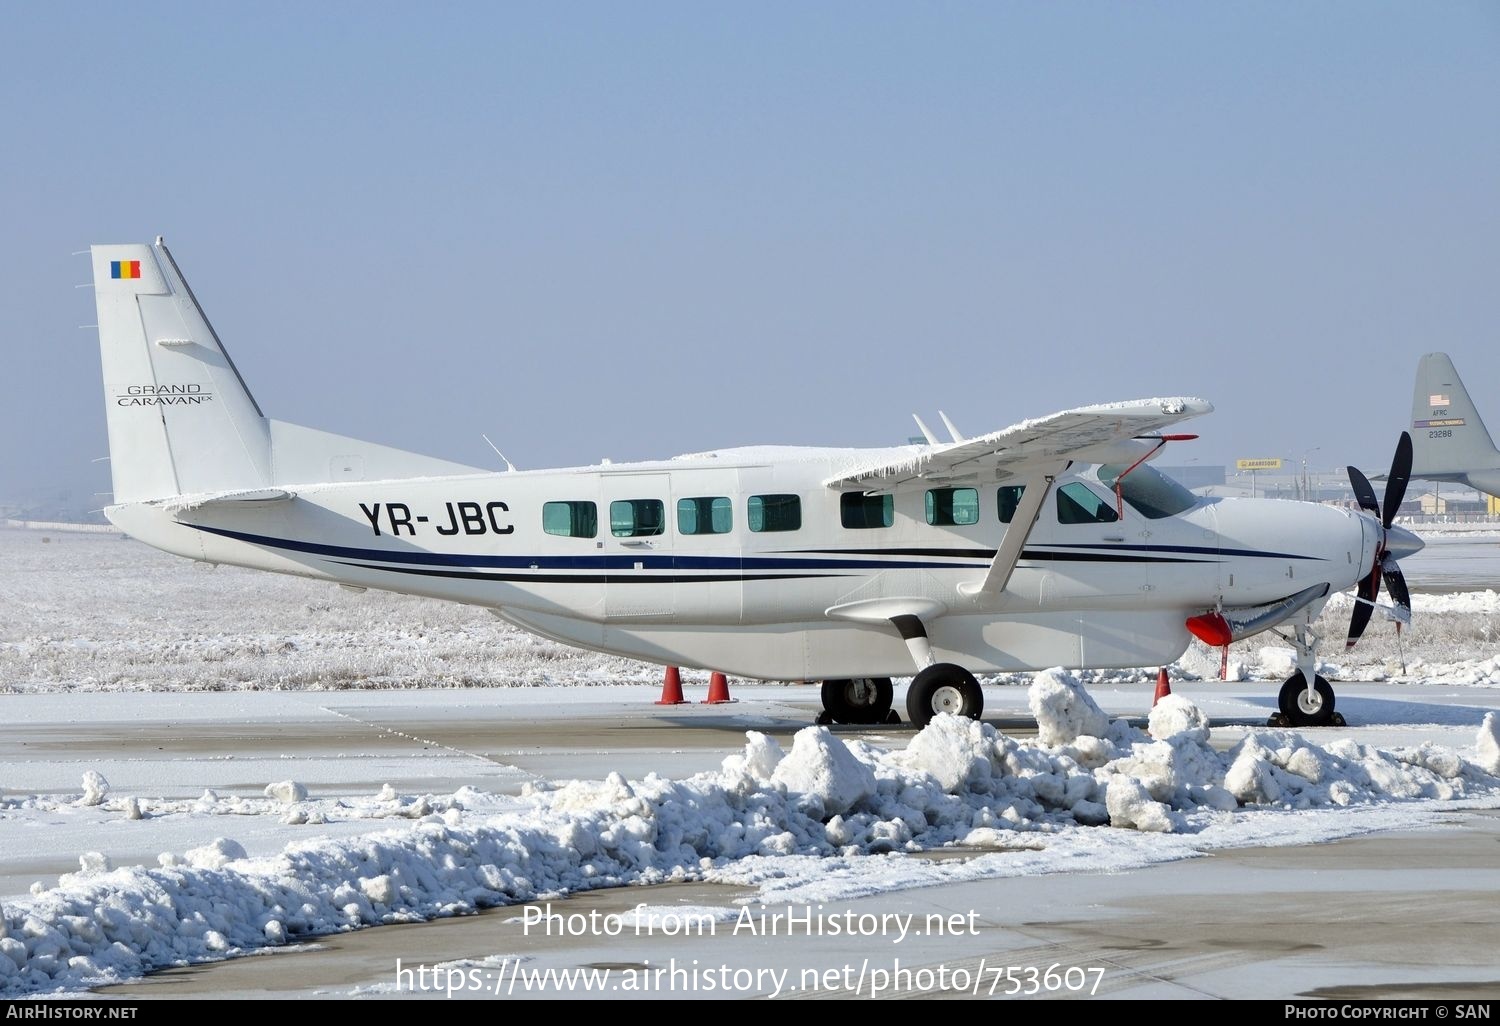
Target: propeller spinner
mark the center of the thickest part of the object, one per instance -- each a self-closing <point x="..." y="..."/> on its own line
<point x="1395" y="542"/>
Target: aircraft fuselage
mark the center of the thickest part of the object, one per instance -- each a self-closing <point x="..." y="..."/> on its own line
<point x="704" y="562"/>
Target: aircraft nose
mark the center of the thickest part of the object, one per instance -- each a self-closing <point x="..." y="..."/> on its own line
<point x="1400" y="543"/>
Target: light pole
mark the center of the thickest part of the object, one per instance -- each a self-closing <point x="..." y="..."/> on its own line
<point x="1306" y="484"/>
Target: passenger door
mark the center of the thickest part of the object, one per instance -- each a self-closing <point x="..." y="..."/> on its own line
<point x="637" y="543"/>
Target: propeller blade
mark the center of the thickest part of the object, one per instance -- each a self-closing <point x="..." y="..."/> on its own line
<point x="1395" y="489"/>
<point x="1362" y="491"/>
<point x="1395" y="583"/>
<point x="1368" y="588"/>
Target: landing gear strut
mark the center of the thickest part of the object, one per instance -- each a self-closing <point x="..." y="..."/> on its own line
<point x="1303" y="708"/>
<point x="937" y="687"/>
<point x="1306" y="699"/>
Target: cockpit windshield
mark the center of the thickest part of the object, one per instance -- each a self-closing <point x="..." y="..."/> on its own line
<point x="1150" y="492"/>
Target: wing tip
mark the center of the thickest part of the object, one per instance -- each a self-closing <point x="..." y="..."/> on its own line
<point x="1172" y="406"/>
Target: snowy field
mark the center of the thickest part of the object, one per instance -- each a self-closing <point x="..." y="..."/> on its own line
<point x="197" y="764"/>
<point x="101" y="613"/>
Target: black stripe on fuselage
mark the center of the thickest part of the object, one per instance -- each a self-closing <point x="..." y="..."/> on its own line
<point x="618" y="578"/>
<point x="1035" y="551"/>
<point x="1105" y="557"/>
<point x="1193" y="550"/>
<point x="1112" y="554"/>
<point x="914" y="552"/>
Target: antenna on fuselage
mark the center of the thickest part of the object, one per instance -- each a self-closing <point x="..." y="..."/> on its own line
<point x="952" y="431"/>
<point x="926" y="432"/>
<point x="508" y="464"/>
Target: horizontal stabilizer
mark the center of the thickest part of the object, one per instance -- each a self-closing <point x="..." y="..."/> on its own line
<point x="186" y="503"/>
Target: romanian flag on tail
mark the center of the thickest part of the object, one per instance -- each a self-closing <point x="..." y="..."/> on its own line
<point x="124" y="268"/>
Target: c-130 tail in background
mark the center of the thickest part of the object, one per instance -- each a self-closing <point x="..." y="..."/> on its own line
<point x="1449" y="440"/>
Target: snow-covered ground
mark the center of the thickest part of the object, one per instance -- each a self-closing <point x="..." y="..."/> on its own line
<point x="103" y="613"/>
<point x="338" y="774"/>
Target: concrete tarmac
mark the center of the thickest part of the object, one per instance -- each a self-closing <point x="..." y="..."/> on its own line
<point x="1382" y="916"/>
<point x="1395" y="917"/>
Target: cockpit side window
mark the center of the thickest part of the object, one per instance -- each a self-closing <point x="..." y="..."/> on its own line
<point x="861" y="511"/>
<point x="952" y="506"/>
<point x="1006" y="501"/>
<point x="1077" y="504"/>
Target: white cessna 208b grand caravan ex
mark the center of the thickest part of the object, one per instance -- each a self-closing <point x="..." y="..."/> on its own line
<point x="1050" y="543"/>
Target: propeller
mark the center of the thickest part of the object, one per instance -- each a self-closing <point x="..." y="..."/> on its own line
<point x="1395" y="542"/>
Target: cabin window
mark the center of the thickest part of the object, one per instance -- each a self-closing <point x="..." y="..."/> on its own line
<point x="704" y="515"/>
<point x="570" y="519"/>
<point x="637" y="518"/>
<point x="1007" y="499"/>
<point x="860" y="511"/>
<point x="774" y="512"/>
<point x="952" y="506"/>
<point x="1077" y="504"/>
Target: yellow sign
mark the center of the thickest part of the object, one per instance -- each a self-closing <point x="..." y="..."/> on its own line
<point x="1267" y="464"/>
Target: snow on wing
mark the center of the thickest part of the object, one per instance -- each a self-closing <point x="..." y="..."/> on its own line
<point x="1084" y="432"/>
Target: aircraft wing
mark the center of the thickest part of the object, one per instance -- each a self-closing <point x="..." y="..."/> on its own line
<point x="1095" y="434"/>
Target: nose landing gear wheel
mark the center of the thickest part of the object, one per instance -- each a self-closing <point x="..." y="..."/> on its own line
<point x="1303" y="710"/>
<point x="943" y="687"/>
<point x="858" y="699"/>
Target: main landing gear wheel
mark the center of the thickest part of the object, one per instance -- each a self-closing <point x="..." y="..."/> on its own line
<point x="858" y="699"/>
<point x="943" y="687"/>
<point x="1303" y="710"/>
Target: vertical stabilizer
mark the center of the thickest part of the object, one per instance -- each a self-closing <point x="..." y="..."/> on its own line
<point x="181" y="421"/>
<point x="1448" y="437"/>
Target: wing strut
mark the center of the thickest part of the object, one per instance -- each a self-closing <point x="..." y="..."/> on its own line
<point x="1038" y="487"/>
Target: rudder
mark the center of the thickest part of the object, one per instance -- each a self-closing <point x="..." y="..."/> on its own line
<point x="1448" y="436"/>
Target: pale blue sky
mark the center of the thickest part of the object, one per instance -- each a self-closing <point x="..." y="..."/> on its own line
<point x="633" y="230"/>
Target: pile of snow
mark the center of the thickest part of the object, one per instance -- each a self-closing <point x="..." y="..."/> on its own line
<point x="958" y="783"/>
<point x="288" y="792"/>
<point x="1488" y="745"/>
<point x="95" y="788"/>
<point x="286" y="799"/>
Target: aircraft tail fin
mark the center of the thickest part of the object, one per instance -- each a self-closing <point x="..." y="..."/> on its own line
<point x="1448" y="436"/>
<point x="181" y="420"/>
<point x="180" y="417"/>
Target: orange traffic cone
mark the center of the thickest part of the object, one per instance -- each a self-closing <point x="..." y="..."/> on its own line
<point x="1163" y="688"/>
<point x="671" y="688"/>
<point x="718" y="690"/>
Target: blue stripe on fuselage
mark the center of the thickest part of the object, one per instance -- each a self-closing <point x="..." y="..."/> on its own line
<point x="622" y="561"/>
<point x="790" y="561"/>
